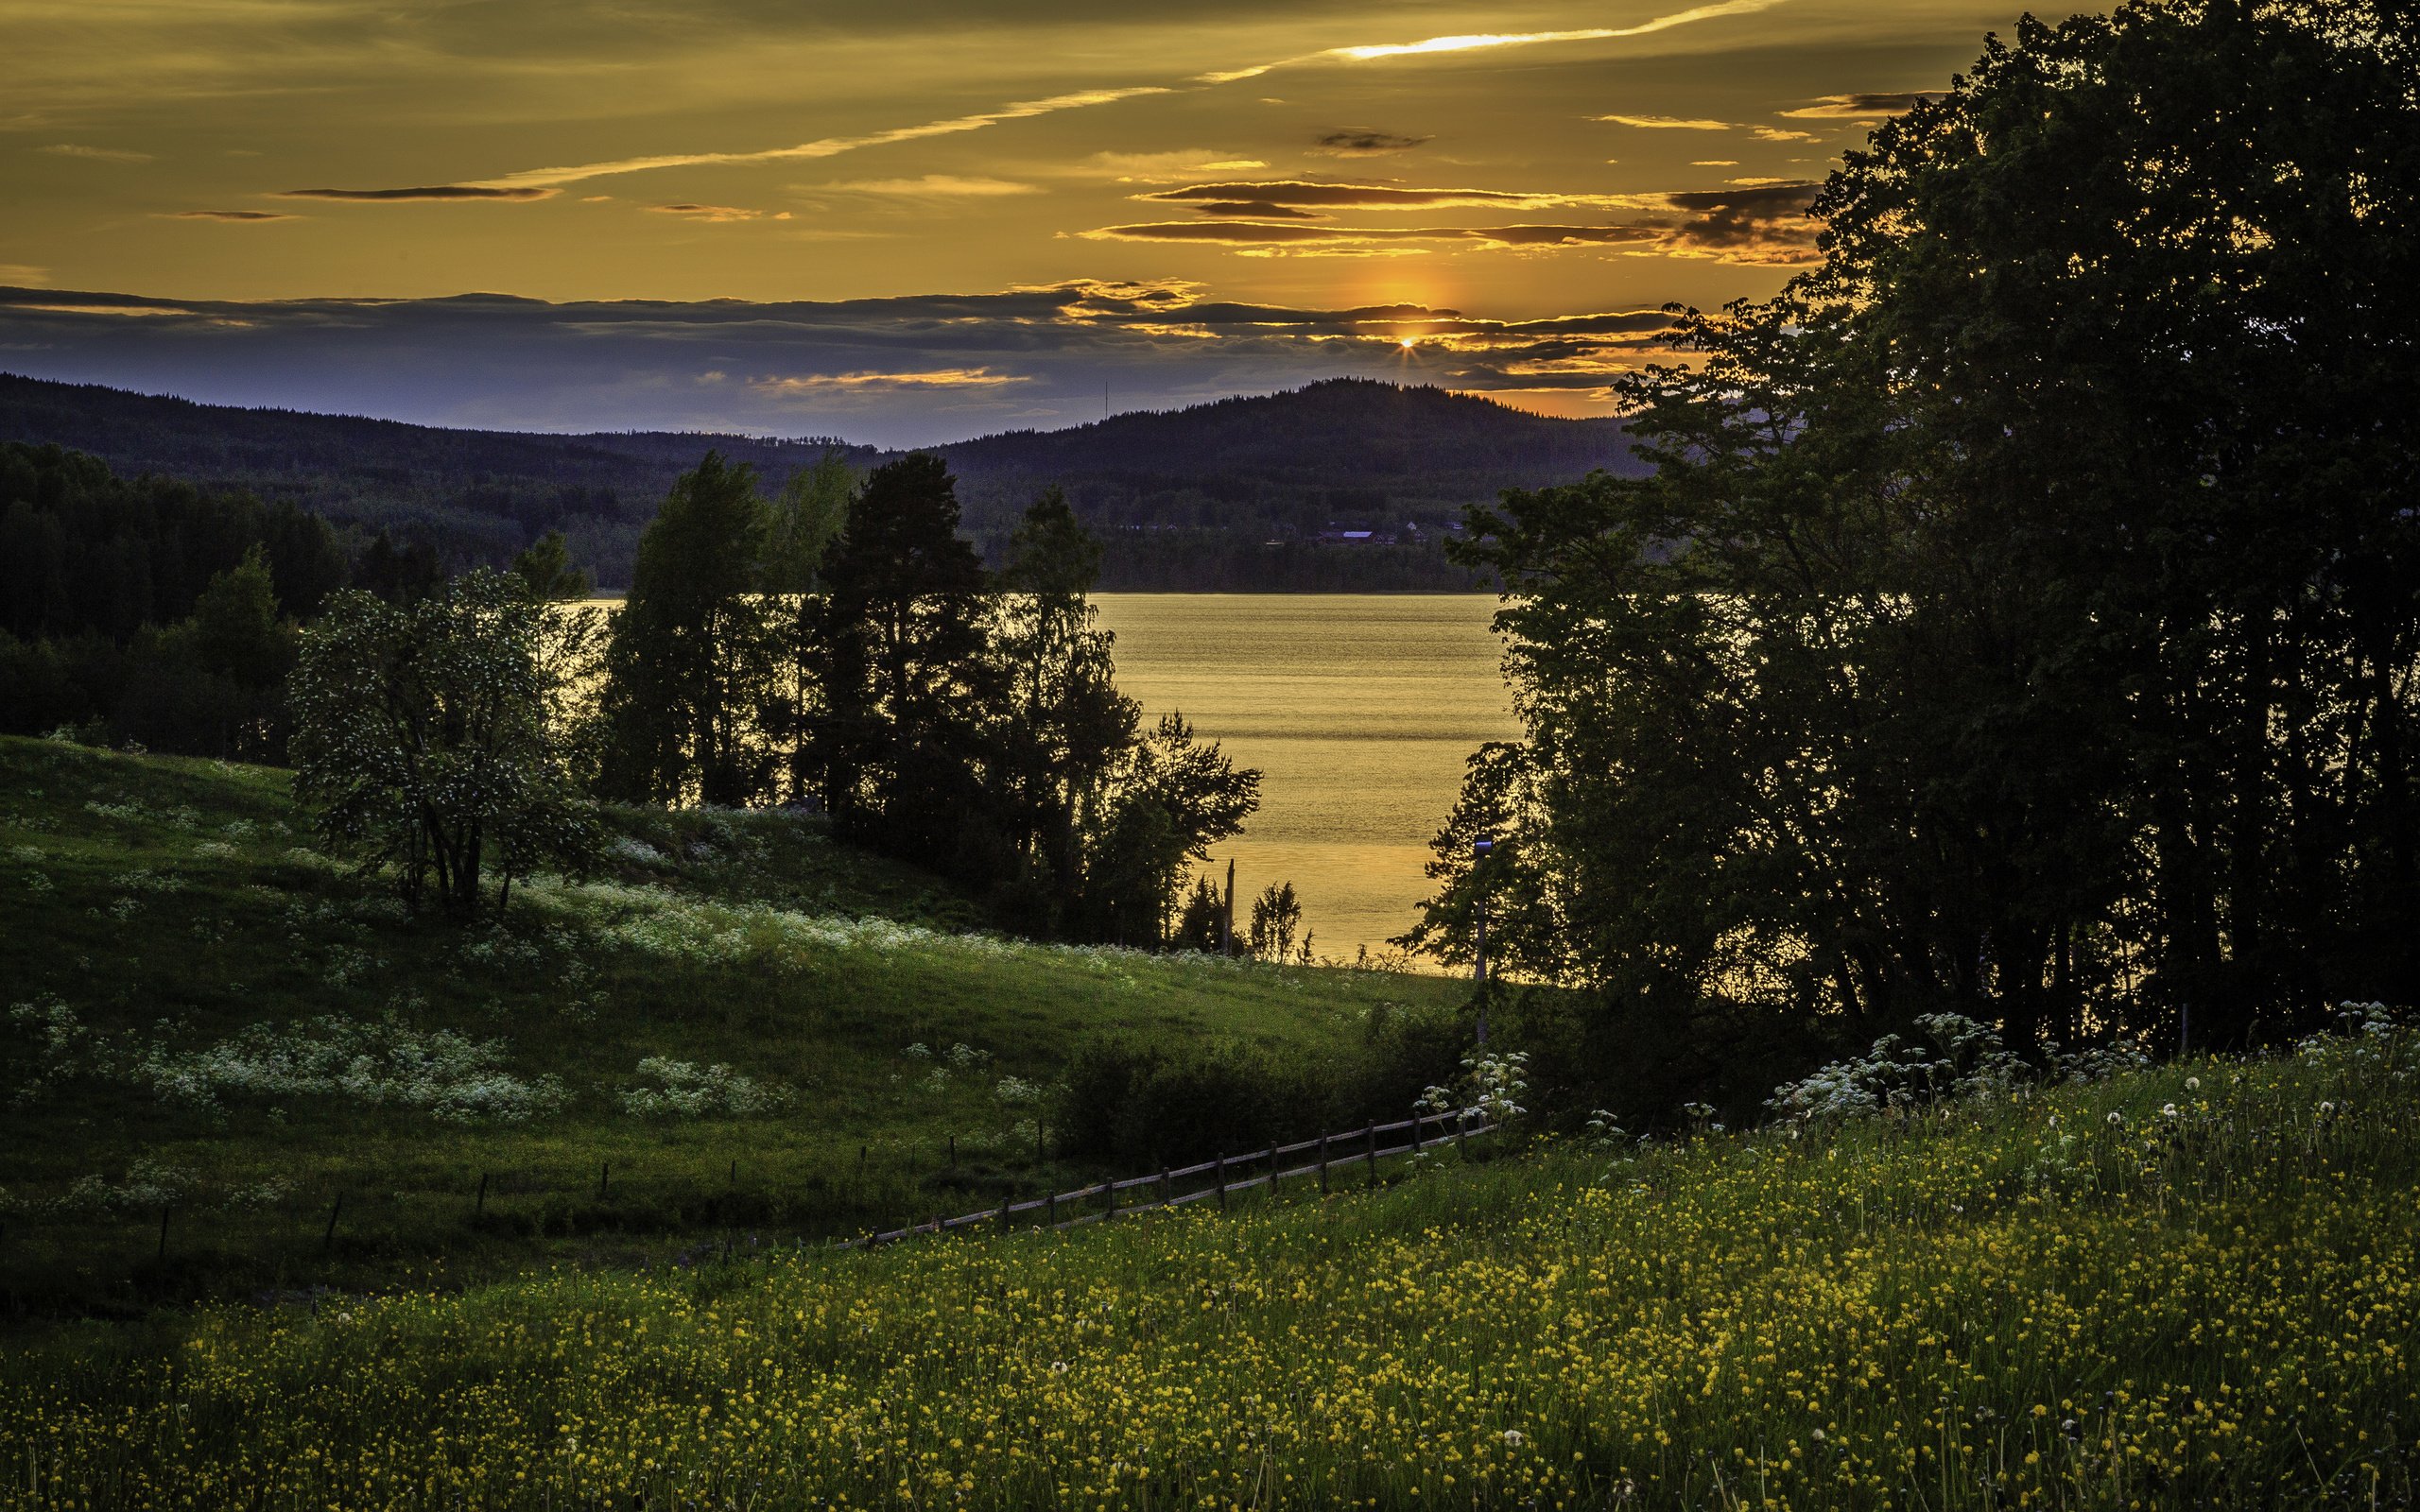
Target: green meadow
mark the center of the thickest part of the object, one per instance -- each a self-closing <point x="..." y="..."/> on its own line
<point x="235" y="1070"/>
<point x="2197" y="1286"/>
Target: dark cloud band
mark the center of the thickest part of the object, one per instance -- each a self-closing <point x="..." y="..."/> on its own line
<point x="896" y="371"/>
<point x="1364" y="142"/>
<point x="437" y="192"/>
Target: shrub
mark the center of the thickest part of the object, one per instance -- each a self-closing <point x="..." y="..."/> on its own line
<point x="1138" y="1107"/>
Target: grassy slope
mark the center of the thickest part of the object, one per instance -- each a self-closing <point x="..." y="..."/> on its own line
<point x="152" y="904"/>
<point x="2156" y="1292"/>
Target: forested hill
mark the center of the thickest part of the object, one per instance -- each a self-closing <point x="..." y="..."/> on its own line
<point x="1345" y="437"/>
<point x="1188" y="498"/>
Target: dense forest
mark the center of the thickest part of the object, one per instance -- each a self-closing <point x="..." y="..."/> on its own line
<point x="1233" y="495"/>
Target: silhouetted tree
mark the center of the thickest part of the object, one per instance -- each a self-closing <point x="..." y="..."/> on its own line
<point x="2021" y="618"/>
<point x="1067" y="729"/>
<point x="903" y="743"/>
<point x="1276" y="914"/>
<point x="545" y="565"/>
<point x="1172" y="799"/>
<point x="692" y="653"/>
<point x="807" y="519"/>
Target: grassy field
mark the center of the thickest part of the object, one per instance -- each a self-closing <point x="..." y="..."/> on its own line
<point x="2193" y="1287"/>
<point x="211" y="1036"/>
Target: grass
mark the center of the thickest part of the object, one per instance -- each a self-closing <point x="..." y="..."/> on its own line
<point x="213" y="1033"/>
<point x="2191" y="1287"/>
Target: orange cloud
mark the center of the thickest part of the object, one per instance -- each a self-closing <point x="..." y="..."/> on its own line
<point x="888" y="382"/>
<point x="716" y="214"/>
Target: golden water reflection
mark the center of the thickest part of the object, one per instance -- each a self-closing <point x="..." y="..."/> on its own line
<point x="1359" y="709"/>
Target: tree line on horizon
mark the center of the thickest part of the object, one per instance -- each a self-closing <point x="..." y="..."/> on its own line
<point x="149" y="611"/>
<point x="1229" y="496"/>
<point x="2023" y="617"/>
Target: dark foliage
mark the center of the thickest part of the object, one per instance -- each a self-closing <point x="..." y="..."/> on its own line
<point x="83" y="548"/>
<point x="1137" y="1106"/>
<point x="2021" y="621"/>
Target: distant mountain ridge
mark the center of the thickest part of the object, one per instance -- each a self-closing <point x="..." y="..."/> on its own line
<point x="1219" y="495"/>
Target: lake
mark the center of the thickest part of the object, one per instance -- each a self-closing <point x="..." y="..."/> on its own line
<point x="1360" y="710"/>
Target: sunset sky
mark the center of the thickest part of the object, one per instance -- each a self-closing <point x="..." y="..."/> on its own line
<point x="907" y="222"/>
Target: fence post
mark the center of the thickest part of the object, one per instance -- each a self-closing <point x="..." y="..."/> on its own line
<point x="1371" y="1135"/>
<point x="1222" y="1169"/>
<point x="1004" y="1215"/>
<point x="1053" y="1209"/>
<point x="604" y="1177"/>
<point x="329" y="1239"/>
<point x="1322" y="1165"/>
<point x="164" y="1231"/>
<point x="1463" y="1132"/>
<point x="1109" y="1200"/>
<point x="479" y="1207"/>
<point x="1272" y="1165"/>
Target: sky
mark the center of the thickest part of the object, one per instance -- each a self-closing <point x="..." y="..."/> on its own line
<point x="912" y="221"/>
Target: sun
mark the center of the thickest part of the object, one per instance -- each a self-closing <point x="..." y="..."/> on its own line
<point x="1406" y="342"/>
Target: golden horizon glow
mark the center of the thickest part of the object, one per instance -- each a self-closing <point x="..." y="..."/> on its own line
<point x="1535" y="162"/>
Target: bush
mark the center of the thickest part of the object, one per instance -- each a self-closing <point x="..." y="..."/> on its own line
<point x="1136" y="1107"/>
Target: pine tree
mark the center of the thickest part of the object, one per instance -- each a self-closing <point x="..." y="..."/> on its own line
<point x="902" y="744"/>
<point x="693" y="655"/>
<point x="1068" y="729"/>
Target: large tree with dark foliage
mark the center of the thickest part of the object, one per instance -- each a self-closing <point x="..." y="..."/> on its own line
<point x="2024" y="615"/>
<point x="901" y="744"/>
<point x="1067" y="730"/>
<point x="693" y="654"/>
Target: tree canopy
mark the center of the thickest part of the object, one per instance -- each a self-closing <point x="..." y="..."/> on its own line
<point x="2022" y="617"/>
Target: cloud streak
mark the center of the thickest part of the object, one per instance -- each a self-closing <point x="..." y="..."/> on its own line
<point x="511" y="185"/>
<point x="1757" y="222"/>
<point x="1374" y="196"/>
<point x="240" y="216"/>
<point x="76" y="149"/>
<point x="1257" y="233"/>
<point x="436" y="191"/>
<point x="930" y="186"/>
<point x="1486" y="41"/>
<point x="1869" y="107"/>
<point x="890" y="382"/>
<point x="1667" y="123"/>
<point x="830" y="146"/>
<point x="713" y="214"/>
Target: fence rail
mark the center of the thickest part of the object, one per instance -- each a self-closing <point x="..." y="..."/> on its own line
<point x="1229" y="1174"/>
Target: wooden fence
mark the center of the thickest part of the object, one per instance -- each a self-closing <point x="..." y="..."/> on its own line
<point x="1226" y="1175"/>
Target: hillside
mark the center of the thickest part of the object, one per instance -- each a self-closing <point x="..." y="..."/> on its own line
<point x="1187" y="498"/>
<point x="742" y="1027"/>
<point x="2195" y="1287"/>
